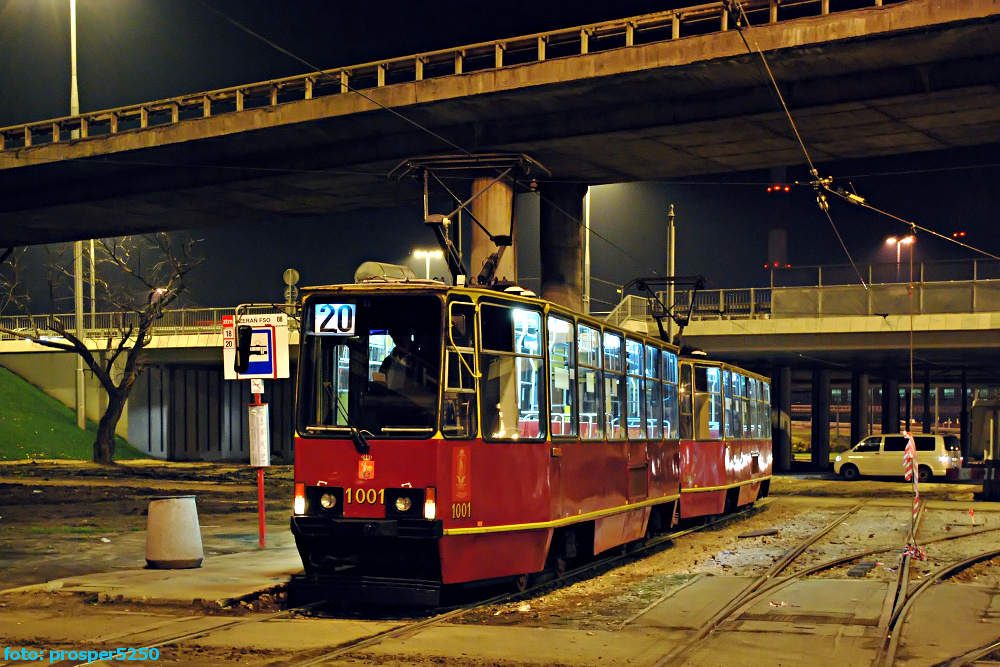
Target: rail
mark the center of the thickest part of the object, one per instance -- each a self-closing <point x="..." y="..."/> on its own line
<point x="624" y="33"/>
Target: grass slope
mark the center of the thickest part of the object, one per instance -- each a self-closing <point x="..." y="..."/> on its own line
<point x="33" y="425"/>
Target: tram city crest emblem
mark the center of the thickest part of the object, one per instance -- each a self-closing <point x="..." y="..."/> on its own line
<point x="366" y="467"/>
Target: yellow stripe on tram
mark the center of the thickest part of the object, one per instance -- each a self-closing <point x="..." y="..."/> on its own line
<point x="558" y="523"/>
<point x="727" y="486"/>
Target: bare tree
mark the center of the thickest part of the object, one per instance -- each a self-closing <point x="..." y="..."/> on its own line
<point x="137" y="277"/>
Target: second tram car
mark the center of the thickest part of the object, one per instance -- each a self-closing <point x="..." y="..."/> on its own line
<point x="450" y="435"/>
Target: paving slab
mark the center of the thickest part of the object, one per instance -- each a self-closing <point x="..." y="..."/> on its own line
<point x="693" y="606"/>
<point x="949" y="620"/>
<point x="820" y="602"/>
<point x="535" y="646"/>
<point x="220" y="578"/>
<point x="296" y="634"/>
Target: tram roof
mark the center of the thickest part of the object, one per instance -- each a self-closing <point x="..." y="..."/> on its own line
<point x="437" y="287"/>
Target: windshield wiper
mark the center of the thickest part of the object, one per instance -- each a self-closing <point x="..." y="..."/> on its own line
<point x="357" y="435"/>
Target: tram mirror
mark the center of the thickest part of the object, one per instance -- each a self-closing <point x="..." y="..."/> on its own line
<point x="244" y="334"/>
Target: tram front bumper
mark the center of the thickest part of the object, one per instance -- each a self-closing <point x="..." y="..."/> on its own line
<point x="349" y="548"/>
<point x="319" y="527"/>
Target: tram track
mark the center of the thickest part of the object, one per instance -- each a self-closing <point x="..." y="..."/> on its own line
<point x="899" y="598"/>
<point x="404" y="628"/>
<point x="569" y="577"/>
<point x="753" y="591"/>
<point x="174" y="638"/>
<point x="887" y="656"/>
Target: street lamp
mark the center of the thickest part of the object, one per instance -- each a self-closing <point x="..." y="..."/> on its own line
<point x="427" y="254"/>
<point x="907" y="240"/>
<point x="74" y="110"/>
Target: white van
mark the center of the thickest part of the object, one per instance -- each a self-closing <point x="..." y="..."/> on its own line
<point x="882" y="456"/>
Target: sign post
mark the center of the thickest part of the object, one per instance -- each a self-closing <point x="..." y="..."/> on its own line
<point x="268" y="358"/>
<point x="260" y="450"/>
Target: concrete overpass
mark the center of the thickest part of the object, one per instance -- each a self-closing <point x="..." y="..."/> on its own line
<point x="650" y="97"/>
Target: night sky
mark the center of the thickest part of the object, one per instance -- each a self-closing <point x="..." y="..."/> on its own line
<point x="138" y="50"/>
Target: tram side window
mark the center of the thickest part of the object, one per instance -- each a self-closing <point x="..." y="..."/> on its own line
<point x="671" y="399"/>
<point x="766" y="405"/>
<point x="654" y="404"/>
<point x="635" y="390"/>
<point x="511" y="367"/>
<point x="744" y="408"/>
<point x="754" y="408"/>
<point x="686" y="394"/>
<point x="727" y="398"/>
<point x="707" y="403"/>
<point x="614" y="381"/>
<point x="458" y="404"/>
<point x="589" y="382"/>
<point x="562" y="372"/>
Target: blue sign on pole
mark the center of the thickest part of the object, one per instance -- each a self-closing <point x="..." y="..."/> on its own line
<point x="261" y="352"/>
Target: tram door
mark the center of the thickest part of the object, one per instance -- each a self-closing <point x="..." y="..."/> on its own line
<point x="563" y="408"/>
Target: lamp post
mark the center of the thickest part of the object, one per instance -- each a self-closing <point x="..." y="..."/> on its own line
<point x="427" y="254"/>
<point x="907" y="240"/>
<point x="74" y="110"/>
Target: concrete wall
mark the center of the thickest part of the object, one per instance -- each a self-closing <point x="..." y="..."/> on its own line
<point x="190" y="413"/>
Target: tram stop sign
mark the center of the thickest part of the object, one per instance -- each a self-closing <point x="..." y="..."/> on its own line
<point x="268" y="347"/>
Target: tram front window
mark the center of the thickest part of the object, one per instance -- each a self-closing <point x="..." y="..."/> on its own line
<point x="372" y="363"/>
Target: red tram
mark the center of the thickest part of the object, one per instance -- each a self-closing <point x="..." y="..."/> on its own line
<point x="449" y="435"/>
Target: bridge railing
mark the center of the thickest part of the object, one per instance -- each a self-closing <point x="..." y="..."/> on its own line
<point x="924" y="298"/>
<point x="625" y="33"/>
<point x="103" y="325"/>
<point x="886" y="273"/>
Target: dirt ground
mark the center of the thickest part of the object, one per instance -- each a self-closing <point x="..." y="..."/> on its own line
<point x="69" y="518"/>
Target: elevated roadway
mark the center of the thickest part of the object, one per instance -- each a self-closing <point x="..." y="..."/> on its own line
<point x="650" y="97"/>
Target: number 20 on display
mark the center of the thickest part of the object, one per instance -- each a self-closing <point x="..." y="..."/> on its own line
<point x="333" y="319"/>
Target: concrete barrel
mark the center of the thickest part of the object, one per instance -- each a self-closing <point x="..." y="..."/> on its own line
<point x="173" y="537"/>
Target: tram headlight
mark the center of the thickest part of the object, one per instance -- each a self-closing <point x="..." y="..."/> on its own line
<point x="403" y="504"/>
<point x="328" y="501"/>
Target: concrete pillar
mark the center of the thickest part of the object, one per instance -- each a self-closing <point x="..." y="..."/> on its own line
<point x="781" y="409"/>
<point x="561" y="243"/>
<point x="963" y="417"/>
<point x="890" y="405"/>
<point x="821" y="419"/>
<point x="493" y="210"/>
<point x="928" y="420"/>
<point x="859" y="407"/>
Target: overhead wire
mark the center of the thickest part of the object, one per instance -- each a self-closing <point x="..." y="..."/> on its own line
<point x="741" y="19"/>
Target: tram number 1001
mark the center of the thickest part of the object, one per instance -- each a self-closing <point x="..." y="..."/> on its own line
<point x="364" y="497"/>
<point x="461" y="510"/>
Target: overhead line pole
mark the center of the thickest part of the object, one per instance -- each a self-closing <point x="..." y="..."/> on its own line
<point x="74" y="110"/>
